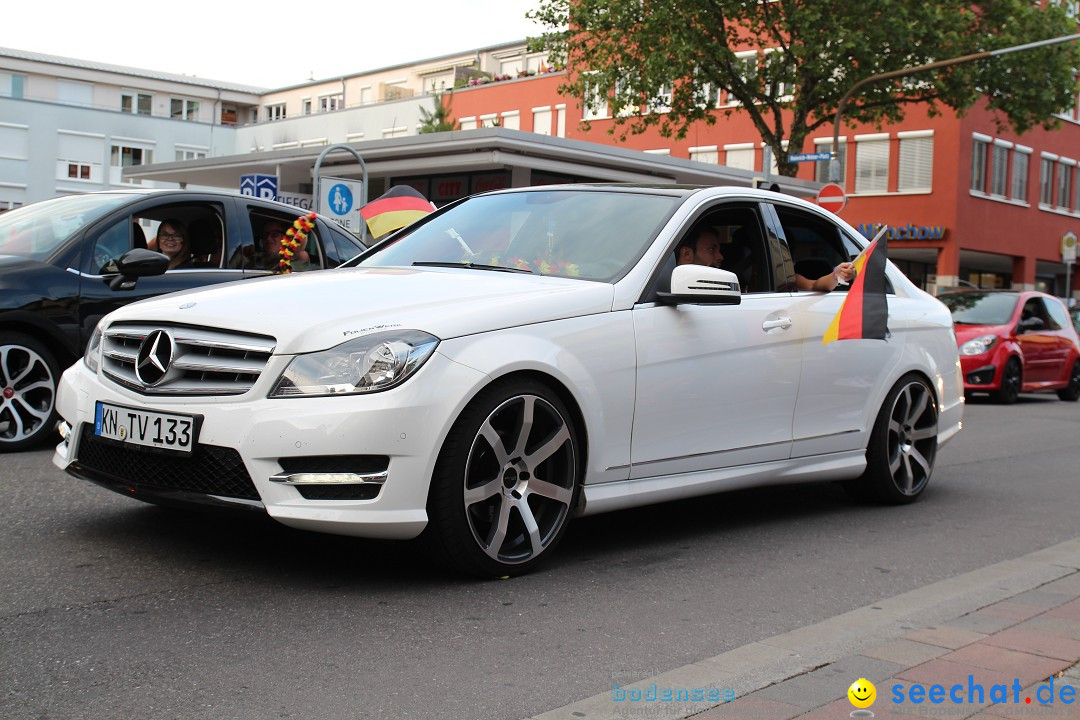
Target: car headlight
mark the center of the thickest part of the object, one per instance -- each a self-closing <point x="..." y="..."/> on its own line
<point x="368" y="364"/>
<point x="92" y="356"/>
<point x="979" y="345"/>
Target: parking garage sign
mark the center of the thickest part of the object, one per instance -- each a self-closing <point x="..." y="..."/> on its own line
<point x="260" y="186"/>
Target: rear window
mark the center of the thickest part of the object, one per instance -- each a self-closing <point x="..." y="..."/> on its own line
<point x="972" y="308"/>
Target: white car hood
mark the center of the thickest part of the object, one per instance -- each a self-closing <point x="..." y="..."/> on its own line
<point x="306" y="312"/>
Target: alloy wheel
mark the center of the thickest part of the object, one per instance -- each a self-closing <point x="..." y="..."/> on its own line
<point x="27" y="393"/>
<point x="912" y="438"/>
<point x="519" y="479"/>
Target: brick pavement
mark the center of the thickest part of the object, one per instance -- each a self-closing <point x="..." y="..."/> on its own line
<point x="1029" y="643"/>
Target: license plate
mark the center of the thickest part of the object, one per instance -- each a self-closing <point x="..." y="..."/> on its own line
<point x="149" y="428"/>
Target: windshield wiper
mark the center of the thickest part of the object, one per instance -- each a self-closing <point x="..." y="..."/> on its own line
<point x="478" y="266"/>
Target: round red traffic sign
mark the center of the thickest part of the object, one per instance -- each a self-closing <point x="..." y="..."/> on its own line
<point x="832" y="197"/>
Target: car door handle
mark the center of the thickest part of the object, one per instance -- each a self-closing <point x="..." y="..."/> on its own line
<point x="782" y="322"/>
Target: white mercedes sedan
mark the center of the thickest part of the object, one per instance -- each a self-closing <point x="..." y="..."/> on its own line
<point x="515" y="360"/>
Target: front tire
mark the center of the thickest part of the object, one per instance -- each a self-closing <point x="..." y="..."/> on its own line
<point x="28" y="377"/>
<point x="903" y="445"/>
<point x="506" y="481"/>
<point x="1071" y="393"/>
<point x="1011" y="380"/>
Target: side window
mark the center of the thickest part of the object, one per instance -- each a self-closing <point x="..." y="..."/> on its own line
<point x="816" y="245"/>
<point x="123" y="235"/>
<point x="732" y="239"/>
<point x="348" y="246"/>
<point x="1059" y="318"/>
<point x="268" y="229"/>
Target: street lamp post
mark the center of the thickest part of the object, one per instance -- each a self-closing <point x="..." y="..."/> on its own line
<point x="834" y="162"/>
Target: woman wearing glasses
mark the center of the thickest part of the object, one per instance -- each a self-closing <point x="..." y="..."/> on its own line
<point x="172" y="240"/>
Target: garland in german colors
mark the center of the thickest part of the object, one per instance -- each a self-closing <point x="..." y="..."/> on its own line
<point x="294" y="238"/>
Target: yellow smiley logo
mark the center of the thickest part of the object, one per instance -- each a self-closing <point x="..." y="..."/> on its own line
<point x="862" y="693"/>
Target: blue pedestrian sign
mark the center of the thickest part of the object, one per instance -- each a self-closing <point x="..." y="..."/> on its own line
<point x="341" y="199"/>
<point x="808" y="157"/>
<point x="260" y="186"/>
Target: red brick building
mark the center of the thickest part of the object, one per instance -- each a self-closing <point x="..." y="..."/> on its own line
<point x="966" y="203"/>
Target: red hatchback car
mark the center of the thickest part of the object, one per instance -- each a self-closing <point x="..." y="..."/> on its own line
<point x="1012" y="342"/>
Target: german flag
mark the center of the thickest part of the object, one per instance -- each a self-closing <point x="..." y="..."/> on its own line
<point x="864" y="314"/>
<point x="396" y="208"/>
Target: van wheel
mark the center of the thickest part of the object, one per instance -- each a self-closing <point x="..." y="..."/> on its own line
<point x="903" y="445"/>
<point x="506" y="481"/>
<point x="28" y="377"/>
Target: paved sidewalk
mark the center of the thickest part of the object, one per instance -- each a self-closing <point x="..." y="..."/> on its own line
<point x="999" y="641"/>
<point x="1018" y="643"/>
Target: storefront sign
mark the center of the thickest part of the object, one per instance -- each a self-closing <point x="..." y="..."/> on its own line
<point x="905" y="232"/>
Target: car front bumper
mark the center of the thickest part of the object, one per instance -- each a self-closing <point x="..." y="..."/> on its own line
<point x="251" y="448"/>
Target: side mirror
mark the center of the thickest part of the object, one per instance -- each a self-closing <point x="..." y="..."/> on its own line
<point x="702" y="285"/>
<point x="1031" y="323"/>
<point x="138" y="263"/>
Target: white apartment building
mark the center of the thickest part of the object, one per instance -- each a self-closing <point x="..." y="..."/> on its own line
<point x="71" y="126"/>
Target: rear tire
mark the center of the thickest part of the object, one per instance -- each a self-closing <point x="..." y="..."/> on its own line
<point x="28" y="378"/>
<point x="903" y="445"/>
<point x="1072" y="392"/>
<point x="506" y="481"/>
<point x="1011" y="381"/>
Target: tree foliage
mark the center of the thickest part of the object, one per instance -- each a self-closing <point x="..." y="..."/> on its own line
<point x="438" y="119"/>
<point x="665" y="63"/>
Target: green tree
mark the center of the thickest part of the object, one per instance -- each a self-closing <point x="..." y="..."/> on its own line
<point x="438" y="119"/>
<point x="664" y="63"/>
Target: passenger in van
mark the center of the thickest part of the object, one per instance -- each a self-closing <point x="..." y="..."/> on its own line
<point x="172" y="240"/>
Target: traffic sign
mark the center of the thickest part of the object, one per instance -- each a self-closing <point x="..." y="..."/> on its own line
<point x="260" y="186"/>
<point x="808" y="157"/>
<point x="832" y="197"/>
<point x="340" y="200"/>
<point x="1068" y="247"/>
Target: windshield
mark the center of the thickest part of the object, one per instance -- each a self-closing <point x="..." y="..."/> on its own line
<point x="978" y="308"/>
<point x="593" y="235"/>
<point x="38" y="230"/>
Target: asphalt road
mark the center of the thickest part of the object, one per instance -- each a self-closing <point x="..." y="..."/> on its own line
<point x="114" y="609"/>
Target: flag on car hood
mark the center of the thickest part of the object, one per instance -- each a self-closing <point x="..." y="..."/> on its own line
<point x="396" y="208"/>
<point x="864" y="314"/>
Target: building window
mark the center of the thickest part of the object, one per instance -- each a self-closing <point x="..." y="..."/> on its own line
<point x="542" y="120"/>
<point x="12" y="86"/>
<point x="366" y="95"/>
<point x="739" y="157"/>
<point x="184" y="154"/>
<point x="1046" y="181"/>
<point x="6" y="205"/>
<point x="747" y="64"/>
<point x="705" y="154"/>
<point x="1019" y="176"/>
<point x="275" y="112"/>
<point x="467" y="123"/>
<point x="137" y="103"/>
<point x="916" y="162"/>
<point x="595" y="104"/>
<point x="394" y="132"/>
<point x="72" y="92"/>
<point x="78" y="171"/>
<point x="999" y="169"/>
<point x="123" y="156"/>
<point x="329" y="103"/>
<point x="1064" y="185"/>
<point x="305" y="106"/>
<point x="821" y="167"/>
<point x="978" y="164"/>
<point x="183" y="109"/>
<point x="872" y="165"/>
